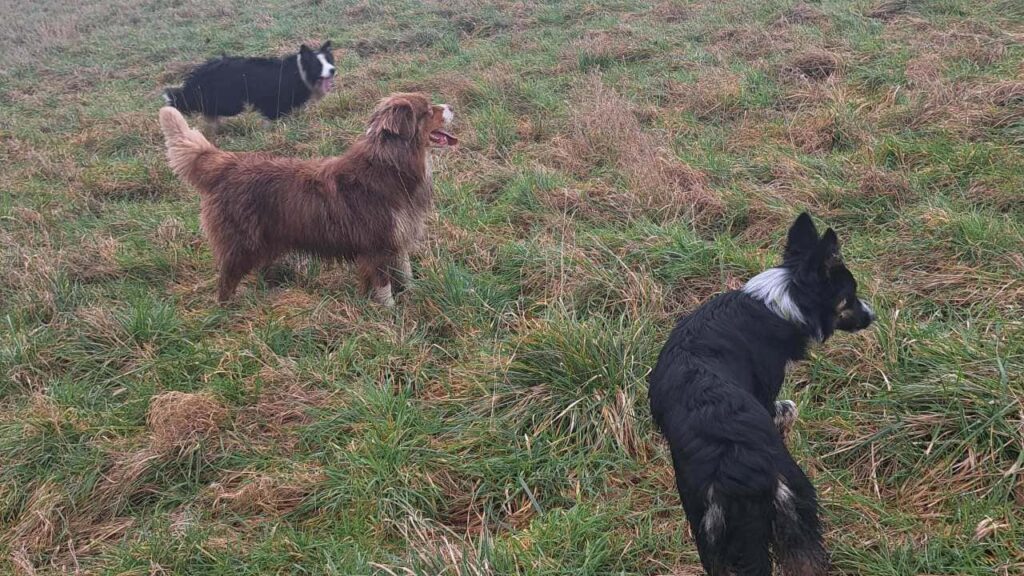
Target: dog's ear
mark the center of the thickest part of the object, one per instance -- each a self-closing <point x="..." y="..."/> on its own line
<point x="395" y="116"/>
<point x="303" y="49"/>
<point x="802" y="238"/>
<point x="326" y="46"/>
<point x="827" y="254"/>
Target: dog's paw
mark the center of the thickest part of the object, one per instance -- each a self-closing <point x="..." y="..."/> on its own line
<point x="785" y="416"/>
<point x="382" y="296"/>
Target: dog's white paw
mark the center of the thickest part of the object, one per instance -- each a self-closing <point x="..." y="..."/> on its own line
<point x="785" y="416"/>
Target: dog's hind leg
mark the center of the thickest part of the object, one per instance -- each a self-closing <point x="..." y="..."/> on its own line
<point x="233" y="268"/>
<point x="796" y="538"/>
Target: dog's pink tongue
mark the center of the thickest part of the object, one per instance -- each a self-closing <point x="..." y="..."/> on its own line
<point x="444" y="138"/>
<point x="327" y="84"/>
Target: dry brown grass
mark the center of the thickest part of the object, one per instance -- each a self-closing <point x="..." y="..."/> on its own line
<point x="888" y="9"/>
<point x="672" y="12"/>
<point x="968" y="109"/>
<point x="252" y="493"/>
<point x="802" y="13"/>
<point x="814" y="133"/>
<point x="878" y="183"/>
<point x="52" y="532"/>
<point x="179" y="421"/>
<point x="925" y="71"/>
<point x="715" y="95"/>
<point x="605" y="131"/>
<point x="814" y="64"/>
<point x="752" y="42"/>
<point x="95" y="259"/>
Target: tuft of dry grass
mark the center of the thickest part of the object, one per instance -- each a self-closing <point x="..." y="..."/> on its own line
<point x="969" y="109"/>
<point x="752" y="41"/>
<point x="715" y="95"/>
<point x="801" y="13"/>
<point x="40" y="524"/>
<point x="888" y="9"/>
<point x="95" y="259"/>
<point x="815" y="64"/>
<point x="179" y="421"/>
<point x="878" y="183"/>
<point x="606" y="131"/>
<point x="247" y="493"/>
<point x="925" y="71"/>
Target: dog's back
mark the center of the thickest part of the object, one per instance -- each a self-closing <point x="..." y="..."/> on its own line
<point x="743" y="494"/>
<point x="224" y="86"/>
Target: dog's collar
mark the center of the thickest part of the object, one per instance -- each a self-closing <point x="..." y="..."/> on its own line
<point x="302" y="73"/>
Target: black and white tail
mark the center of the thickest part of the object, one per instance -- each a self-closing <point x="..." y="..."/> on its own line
<point x="740" y="534"/>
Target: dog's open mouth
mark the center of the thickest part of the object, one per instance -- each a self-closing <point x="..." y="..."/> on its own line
<point x="442" y="138"/>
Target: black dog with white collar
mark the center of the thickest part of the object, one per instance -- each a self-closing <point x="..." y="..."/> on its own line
<point x="222" y="87"/>
<point x="713" y="395"/>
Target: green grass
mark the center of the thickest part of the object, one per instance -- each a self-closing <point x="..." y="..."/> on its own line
<point x="495" y="421"/>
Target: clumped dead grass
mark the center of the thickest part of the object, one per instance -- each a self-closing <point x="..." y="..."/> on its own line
<point x="752" y="42"/>
<point x="95" y="259"/>
<point x="671" y="12"/>
<point x="716" y="95"/>
<point x="801" y="13"/>
<point x="39" y="525"/>
<point x="437" y="549"/>
<point x="814" y="64"/>
<point x="179" y="421"/>
<point x="249" y="493"/>
<point x="888" y="9"/>
<point x="605" y="131"/>
<point x="53" y="531"/>
<point x="284" y="404"/>
<point x="968" y="109"/>
<point x="879" y="183"/>
<point x="925" y="71"/>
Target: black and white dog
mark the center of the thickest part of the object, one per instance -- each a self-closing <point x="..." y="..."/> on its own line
<point x="223" y="86"/>
<point x="713" y="395"/>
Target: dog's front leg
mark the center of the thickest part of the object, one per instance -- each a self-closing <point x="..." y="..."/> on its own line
<point x="376" y="277"/>
<point x="785" y="416"/>
<point x="401" y="277"/>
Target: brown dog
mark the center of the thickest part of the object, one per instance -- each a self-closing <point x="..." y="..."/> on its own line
<point x="368" y="205"/>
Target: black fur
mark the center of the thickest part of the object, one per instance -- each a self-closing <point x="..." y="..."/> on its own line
<point x="713" y="395"/>
<point x="274" y="86"/>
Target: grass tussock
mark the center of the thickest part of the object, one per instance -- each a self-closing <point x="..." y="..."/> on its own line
<point x="813" y="65"/>
<point x="179" y="421"/>
<point x="717" y="94"/>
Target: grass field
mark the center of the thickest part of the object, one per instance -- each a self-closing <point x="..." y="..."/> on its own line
<point x="622" y="161"/>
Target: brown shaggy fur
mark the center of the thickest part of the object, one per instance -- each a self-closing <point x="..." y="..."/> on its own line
<point x="368" y="205"/>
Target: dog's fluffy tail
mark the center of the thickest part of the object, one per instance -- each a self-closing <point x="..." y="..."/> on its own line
<point x="185" y="146"/>
<point x="742" y="531"/>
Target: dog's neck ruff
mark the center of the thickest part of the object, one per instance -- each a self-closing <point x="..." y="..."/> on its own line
<point x="772" y="287"/>
<point x="302" y="72"/>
